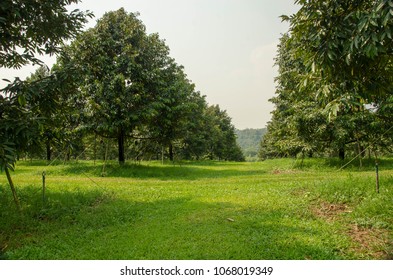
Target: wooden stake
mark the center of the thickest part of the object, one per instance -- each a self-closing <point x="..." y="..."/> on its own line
<point x="162" y="154"/>
<point x="360" y="154"/>
<point x="105" y="157"/>
<point x="377" y="172"/>
<point x="43" y="188"/>
<point x="377" y="177"/>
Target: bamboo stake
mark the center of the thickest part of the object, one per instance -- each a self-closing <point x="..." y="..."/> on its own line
<point x="377" y="177"/>
<point x="43" y="188"/>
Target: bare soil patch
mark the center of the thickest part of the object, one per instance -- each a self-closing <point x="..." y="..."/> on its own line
<point x="370" y="243"/>
<point x="329" y="211"/>
<point x="283" y="171"/>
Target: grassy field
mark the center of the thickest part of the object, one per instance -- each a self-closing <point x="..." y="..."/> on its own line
<point x="203" y="210"/>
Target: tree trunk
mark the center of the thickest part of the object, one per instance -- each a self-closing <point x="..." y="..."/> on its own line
<point x="341" y="153"/>
<point x="95" y="149"/>
<point x="48" y="150"/>
<point x="120" y="140"/>
<point x="170" y="152"/>
<point x="360" y="151"/>
<point x="7" y="172"/>
<point x="68" y="154"/>
<point x="162" y="155"/>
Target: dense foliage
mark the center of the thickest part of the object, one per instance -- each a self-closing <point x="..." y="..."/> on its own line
<point x="113" y="86"/>
<point x="27" y="29"/>
<point x="334" y="89"/>
<point x="135" y="93"/>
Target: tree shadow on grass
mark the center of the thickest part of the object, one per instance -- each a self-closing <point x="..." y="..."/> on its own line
<point x="92" y="225"/>
<point x="161" y="172"/>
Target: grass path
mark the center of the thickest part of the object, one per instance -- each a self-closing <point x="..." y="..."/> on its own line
<point x="215" y="210"/>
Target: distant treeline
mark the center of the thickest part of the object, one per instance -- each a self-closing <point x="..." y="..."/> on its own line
<point x="249" y="141"/>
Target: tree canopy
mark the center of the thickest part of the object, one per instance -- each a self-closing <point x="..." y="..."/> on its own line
<point x="132" y="88"/>
<point x="335" y="79"/>
<point x="27" y="29"/>
<point x="113" y="81"/>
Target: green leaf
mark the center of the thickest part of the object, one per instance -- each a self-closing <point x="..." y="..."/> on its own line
<point x="388" y="33"/>
<point x="285" y="18"/>
<point x="386" y="19"/>
<point x="326" y="90"/>
<point x="331" y="55"/>
<point x="374" y="37"/>
<point x="356" y="42"/>
<point x="380" y="7"/>
<point x="10" y="158"/>
<point x="373" y="22"/>
<point x="348" y="59"/>
<point x="10" y="166"/>
<point x="8" y="149"/>
<point x="21" y="100"/>
<point x="362" y="24"/>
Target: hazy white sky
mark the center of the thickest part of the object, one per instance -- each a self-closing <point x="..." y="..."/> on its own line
<point x="226" y="46"/>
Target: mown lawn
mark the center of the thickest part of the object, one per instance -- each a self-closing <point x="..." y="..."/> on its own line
<point x="203" y="210"/>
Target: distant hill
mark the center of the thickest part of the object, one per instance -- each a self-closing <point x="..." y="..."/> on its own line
<point x="249" y="140"/>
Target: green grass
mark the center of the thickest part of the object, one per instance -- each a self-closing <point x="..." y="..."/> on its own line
<point x="279" y="209"/>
